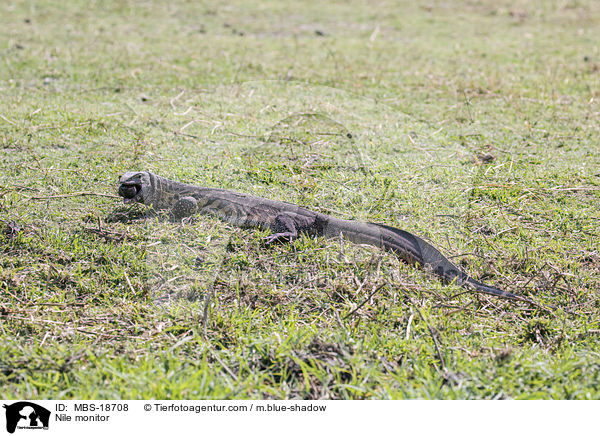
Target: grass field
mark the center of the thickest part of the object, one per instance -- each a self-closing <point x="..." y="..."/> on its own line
<point x="473" y="124"/>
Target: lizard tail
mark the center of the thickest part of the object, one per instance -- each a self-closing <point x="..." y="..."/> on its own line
<point x="414" y="250"/>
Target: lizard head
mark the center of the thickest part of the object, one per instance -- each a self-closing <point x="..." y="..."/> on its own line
<point x="134" y="186"/>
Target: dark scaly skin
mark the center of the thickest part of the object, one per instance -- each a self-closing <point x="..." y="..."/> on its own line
<point x="287" y="221"/>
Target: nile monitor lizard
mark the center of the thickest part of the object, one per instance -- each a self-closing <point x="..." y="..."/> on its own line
<point x="287" y="220"/>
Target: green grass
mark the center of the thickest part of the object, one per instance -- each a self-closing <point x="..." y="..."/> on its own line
<point x="472" y="124"/>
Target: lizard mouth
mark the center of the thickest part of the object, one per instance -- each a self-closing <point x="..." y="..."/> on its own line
<point x="130" y="191"/>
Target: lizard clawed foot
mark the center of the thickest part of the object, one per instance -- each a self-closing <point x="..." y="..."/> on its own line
<point x="279" y="238"/>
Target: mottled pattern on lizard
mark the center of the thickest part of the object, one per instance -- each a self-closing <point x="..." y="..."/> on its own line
<point x="286" y="221"/>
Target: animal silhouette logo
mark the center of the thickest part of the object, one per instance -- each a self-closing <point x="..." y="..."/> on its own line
<point x="26" y="415"/>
